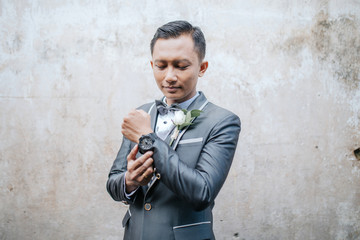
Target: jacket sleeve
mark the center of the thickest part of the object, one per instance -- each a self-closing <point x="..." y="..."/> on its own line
<point x="200" y="185"/>
<point x="115" y="183"/>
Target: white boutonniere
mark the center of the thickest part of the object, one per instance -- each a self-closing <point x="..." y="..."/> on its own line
<point x="182" y="119"/>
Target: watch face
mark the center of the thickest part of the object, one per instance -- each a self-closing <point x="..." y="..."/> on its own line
<point x="147" y="143"/>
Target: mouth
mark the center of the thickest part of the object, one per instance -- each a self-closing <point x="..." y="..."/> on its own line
<point x="171" y="89"/>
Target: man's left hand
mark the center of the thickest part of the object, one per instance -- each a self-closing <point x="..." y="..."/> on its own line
<point x="136" y="124"/>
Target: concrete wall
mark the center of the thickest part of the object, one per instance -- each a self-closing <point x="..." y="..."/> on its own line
<point x="71" y="70"/>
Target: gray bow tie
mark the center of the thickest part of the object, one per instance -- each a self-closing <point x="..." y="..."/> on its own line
<point x="163" y="109"/>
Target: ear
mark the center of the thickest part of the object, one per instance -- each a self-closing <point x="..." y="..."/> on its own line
<point x="203" y="66"/>
<point x="152" y="65"/>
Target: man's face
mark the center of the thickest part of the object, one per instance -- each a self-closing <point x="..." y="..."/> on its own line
<point x="176" y="68"/>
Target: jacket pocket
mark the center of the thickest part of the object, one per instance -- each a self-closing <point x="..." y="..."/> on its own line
<point x="195" y="231"/>
<point x="191" y="140"/>
<point x="126" y="218"/>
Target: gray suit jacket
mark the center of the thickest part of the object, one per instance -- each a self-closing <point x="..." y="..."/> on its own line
<point x="178" y="203"/>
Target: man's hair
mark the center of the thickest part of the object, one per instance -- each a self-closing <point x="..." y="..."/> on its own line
<point x="176" y="29"/>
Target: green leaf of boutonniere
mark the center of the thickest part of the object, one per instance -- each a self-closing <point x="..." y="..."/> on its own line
<point x="184" y="125"/>
<point x="195" y="113"/>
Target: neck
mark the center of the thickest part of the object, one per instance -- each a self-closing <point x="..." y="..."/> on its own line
<point x="179" y="101"/>
<point x="185" y="103"/>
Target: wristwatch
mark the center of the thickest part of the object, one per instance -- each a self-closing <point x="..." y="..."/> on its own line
<point x="146" y="143"/>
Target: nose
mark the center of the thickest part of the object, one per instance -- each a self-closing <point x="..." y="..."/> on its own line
<point x="170" y="75"/>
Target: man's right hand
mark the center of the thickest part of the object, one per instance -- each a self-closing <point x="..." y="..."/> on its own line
<point x="139" y="170"/>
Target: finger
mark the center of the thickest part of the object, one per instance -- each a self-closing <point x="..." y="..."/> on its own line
<point x="142" y="165"/>
<point x="148" y="163"/>
<point x="146" y="176"/>
<point x="137" y="166"/>
<point x="126" y="125"/>
<point x="125" y="128"/>
<point x="143" y="170"/>
<point x="145" y="156"/>
<point x="148" y="173"/>
<point x="126" y="119"/>
<point x="132" y="154"/>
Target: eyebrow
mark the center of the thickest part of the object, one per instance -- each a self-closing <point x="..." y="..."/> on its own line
<point x="175" y="61"/>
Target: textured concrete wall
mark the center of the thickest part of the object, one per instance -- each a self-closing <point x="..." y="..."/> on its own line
<point x="71" y="70"/>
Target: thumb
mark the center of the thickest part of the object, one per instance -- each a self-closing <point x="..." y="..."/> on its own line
<point x="132" y="154"/>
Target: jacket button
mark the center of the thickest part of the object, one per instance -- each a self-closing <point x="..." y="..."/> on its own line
<point x="147" y="206"/>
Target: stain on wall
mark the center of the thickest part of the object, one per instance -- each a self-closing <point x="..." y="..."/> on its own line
<point x="337" y="42"/>
<point x="334" y="43"/>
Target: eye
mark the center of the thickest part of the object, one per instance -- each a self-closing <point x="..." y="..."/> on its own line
<point x="161" y="67"/>
<point x="183" y="67"/>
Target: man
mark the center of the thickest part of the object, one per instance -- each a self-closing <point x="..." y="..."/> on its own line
<point x="171" y="185"/>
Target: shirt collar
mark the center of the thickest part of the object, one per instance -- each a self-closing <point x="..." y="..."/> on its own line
<point x="186" y="104"/>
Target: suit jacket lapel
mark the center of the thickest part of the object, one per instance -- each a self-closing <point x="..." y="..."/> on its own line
<point x="198" y="102"/>
<point x="153" y="114"/>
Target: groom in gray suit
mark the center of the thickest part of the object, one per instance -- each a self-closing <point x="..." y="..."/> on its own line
<point x="172" y="163"/>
